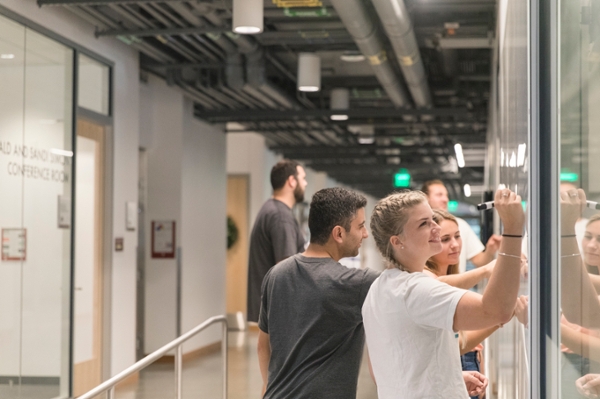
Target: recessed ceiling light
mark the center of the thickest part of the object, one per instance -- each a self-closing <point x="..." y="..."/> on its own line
<point x="7" y="56"/>
<point x="352" y="57"/>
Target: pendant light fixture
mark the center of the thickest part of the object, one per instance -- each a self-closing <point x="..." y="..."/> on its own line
<point x="309" y="72"/>
<point x="339" y="100"/>
<point x="248" y="16"/>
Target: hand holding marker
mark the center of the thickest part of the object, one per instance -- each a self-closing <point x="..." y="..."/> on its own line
<point x="490" y="205"/>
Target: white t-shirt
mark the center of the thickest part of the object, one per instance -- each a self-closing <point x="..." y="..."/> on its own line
<point x="414" y="352"/>
<point x="471" y="245"/>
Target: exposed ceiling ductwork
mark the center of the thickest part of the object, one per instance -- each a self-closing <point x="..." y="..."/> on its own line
<point x="365" y="33"/>
<point x="443" y="53"/>
<point x="398" y="26"/>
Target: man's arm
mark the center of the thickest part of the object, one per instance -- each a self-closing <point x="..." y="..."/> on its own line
<point x="264" y="357"/>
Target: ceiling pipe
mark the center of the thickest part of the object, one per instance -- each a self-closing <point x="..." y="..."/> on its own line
<point x="257" y="77"/>
<point x="256" y="74"/>
<point x="362" y="28"/>
<point x="398" y="26"/>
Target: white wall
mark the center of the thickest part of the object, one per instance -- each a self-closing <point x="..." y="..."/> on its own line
<point x="204" y="199"/>
<point x="248" y="154"/>
<point x="186" y="183"/>
<point x="162" y="111"/>
<point x="125" y="150"/>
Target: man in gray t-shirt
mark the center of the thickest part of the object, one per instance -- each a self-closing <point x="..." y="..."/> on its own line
<point x="276" y="234"/>
<point x="311" y="335"/>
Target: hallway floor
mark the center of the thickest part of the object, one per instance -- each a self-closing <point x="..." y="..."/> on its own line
<point x="202" y="376"/>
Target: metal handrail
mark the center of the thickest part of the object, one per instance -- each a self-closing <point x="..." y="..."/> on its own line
<point x="109" y="385"/>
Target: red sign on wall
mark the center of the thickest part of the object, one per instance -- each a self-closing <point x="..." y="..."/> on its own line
<point x="163" y="239"/>
<point x="14" y="244"/>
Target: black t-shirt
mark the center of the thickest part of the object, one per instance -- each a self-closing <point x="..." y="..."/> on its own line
<point x="275" y="236"/>
<point x="311" y="309"/>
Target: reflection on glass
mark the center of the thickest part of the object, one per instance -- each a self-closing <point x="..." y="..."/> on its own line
<point x="35" y="117"/>
<point x="579" y="125"/>
<point x="508" y="168"/>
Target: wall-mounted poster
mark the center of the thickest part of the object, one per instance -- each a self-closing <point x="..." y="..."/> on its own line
<point x="14" y="244"/>
<point x="163" y="239"/>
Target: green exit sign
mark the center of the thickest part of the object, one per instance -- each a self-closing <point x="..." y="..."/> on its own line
<point x="569" y="176"/>
<point x="402" y="179"/>
<point x="452" y="206"/>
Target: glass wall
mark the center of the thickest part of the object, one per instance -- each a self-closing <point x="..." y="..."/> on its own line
<point x="36" y="77"/>
<point x="508" y="160"/>
<point x="578" y="92"/>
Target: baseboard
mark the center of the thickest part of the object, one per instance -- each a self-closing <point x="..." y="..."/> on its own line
<point x="196" y="353"/>
<point x="27" y="380"/>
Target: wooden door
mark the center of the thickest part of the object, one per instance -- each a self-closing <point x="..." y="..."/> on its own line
<point x="89" y="190"/>
<point x="237" y="255"/>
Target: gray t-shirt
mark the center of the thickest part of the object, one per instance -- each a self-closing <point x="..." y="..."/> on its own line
<point x="311" y="309"/>
<point x="275" y="236"/>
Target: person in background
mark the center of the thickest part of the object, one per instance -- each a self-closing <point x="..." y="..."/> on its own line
<point x="311" y="336"/>
<point x="473" y="249"/>
<point x="276" y="234"/>
<point x="411" y="319"/>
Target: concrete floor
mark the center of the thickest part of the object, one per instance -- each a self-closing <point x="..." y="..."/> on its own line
<point x="37" y="391"/>
<point x="201" y="378"/>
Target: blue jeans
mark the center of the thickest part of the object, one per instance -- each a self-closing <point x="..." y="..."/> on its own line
<point x="470" y="362"/>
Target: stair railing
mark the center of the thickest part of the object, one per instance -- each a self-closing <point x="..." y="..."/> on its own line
<point x="108" y="386"/>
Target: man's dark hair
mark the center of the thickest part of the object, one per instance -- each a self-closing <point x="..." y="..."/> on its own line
<point x="429" y="183"/>
<point x="281" y="171"/>
<point x="332" y="207"/>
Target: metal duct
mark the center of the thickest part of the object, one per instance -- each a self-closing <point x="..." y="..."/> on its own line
<point x="257" y="77"/>
<point x="255" y="72"/>
<point x="398" y="26"/>
<point x="364" y="31"/>
<point x="234" y="71"/>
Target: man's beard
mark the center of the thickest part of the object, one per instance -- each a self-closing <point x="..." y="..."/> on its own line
<point x="298" y="194"/>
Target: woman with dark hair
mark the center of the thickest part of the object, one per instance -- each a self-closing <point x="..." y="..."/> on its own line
<point x="411" y="319"/>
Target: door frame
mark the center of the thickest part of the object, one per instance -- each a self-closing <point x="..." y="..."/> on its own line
<point x="107" y="222"/>
<point x="245" y="176"/>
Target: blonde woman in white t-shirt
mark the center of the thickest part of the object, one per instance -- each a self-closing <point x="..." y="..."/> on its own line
<point x="411" y="319"/>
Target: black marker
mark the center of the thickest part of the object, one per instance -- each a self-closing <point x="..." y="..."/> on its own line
<point x="485" y="206"/>
<point x="490" y="205"/>
<point x="593" y="205"/>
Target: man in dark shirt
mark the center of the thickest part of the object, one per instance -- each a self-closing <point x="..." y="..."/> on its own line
<point x="311" y="333"/>
<point x="276" y="234"/>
